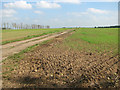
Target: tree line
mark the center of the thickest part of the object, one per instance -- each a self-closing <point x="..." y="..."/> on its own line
<point x="109" y="27"/>
<point x="6" y="26"/>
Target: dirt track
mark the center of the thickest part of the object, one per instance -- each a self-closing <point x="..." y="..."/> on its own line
<point x="15" y="47"/>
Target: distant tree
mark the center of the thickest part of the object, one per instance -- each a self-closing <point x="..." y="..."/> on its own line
<point x="15" y="25"/>
<point x="21" y="25"/>
<point x="32" y="26"/>
<point x="48" y="26"/>
<point x="1" y="26"/>
<point x="38" y="26"/>
<point x="4" y="25"/>
<point x="10" y="26"/>
<point x="25" y="26"/>
<point x="7" y="25"/>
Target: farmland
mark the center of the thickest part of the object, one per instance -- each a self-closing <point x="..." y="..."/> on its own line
<point x="94" y="39"/>
<point x="85" y="57"/>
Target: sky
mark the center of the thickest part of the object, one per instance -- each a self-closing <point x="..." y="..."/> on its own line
<point x="60" y="13"/>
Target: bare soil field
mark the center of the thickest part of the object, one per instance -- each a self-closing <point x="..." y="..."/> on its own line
<point x="51" y="66"/>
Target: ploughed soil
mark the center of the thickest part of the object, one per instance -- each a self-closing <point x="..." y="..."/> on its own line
<point x="53" y="66"/>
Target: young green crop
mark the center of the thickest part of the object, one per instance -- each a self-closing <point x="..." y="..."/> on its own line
<point x="93" y="39"/>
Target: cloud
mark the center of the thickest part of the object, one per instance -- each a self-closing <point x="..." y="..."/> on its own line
<point x="100" y="0"/>
<point x="45" y="4"/>
<point x="77" y="13"/>
<point x="68" y="1"/>
<point x="38" y="12"/>
<point x="18" y="4"/>
<point x="88" y="12"/>
<point x="92" y="19"/>
<point x="93" y="10"/>
<point x="0" y="13"/>
<point x="8" y="12"/>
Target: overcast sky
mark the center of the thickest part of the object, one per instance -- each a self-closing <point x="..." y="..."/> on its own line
<point x="59" y="13"/>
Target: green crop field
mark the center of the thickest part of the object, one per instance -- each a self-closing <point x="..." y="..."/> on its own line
<point x="17" y="35"/>
<point x="92" y="39"/>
